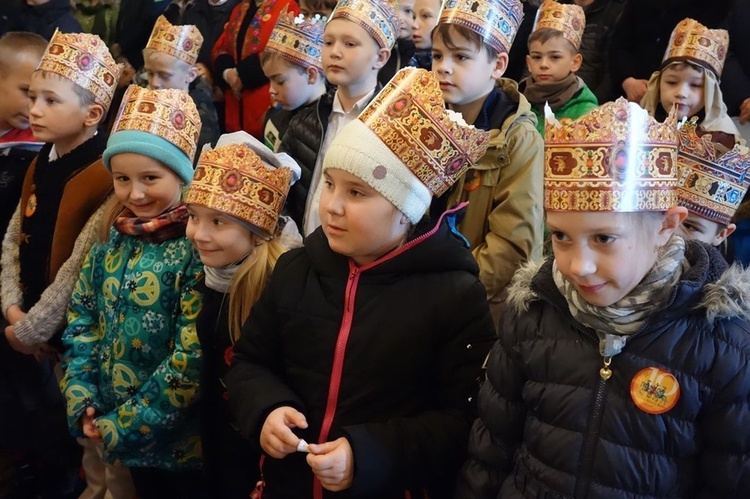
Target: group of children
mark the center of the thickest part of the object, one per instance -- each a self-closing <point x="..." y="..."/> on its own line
<point x="198" y="330"/>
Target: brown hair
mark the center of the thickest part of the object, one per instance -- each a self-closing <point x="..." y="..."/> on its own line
<point x="268" y="56"/>
<point x="320" y="4"/>
<point x="544" y="35"/>
<point x="15" y="44"/>
<point x="446" y="31"/>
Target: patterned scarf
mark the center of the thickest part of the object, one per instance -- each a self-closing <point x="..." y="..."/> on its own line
<point x="169" y="225"/>
<point x="626" y="316"/>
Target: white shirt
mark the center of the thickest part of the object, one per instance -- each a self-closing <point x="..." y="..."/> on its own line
<point x="338" y="120"/>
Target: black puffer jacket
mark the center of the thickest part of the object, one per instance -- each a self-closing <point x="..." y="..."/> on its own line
<point x="538" y="434"/>
<point x="419" y="331"/>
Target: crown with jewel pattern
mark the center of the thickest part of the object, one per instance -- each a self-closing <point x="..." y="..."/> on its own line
<point x="570" y="20"/>
<point x="298" y="40"/>
<point x="496" y="21"/>
<point x="169" y="113"/>
<point x="85" y="60"/>
<point x="181" y="42"/>
<point x="410" y="118"/>
<point x="711" y="185"/>
<point x="234" y="180"/>
<point x="614" y="158"/>
<point x="377" y="17"/>
<point x="691" y="41"/>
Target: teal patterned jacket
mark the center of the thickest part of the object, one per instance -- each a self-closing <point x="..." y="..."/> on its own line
<point x="132" y="351"/>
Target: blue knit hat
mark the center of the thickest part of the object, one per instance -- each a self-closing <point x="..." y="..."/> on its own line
<point x="160" y="124"/>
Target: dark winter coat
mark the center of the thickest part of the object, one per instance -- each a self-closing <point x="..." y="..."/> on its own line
<point x="401" y="53"/>
<point x="551" y="427"/>
<point x="210" y="21"/>
<point x="45" y="18"/>
<point x="735" y="80"/>
<point x="408" y="332"/>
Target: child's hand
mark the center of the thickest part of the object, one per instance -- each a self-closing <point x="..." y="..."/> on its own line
<point x="89" y="424"/>
<point x="635" y="89"/>
<point x="14" y="314"/>
<point x="333" y="464"/>
<point x="276" y="437"/>
<point x="10" y="335"/>
<point x="745" y="111"/>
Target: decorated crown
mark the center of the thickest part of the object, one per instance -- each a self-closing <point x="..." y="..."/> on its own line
<point x="614" y="158"/>
<point x="170" y="114"/>
<point x="232" y="179"/>
<point x="182" y="42"/>
<point x="409" y="117"/>
<point x="711" y="185"/>
<point x="85" y="60"/>
<point x="568" y="19"/>
<point x="377" y="17"/>
<point x="691" y="41"/>
<point x="298" y="40"/>
<point x="496" y="21"/>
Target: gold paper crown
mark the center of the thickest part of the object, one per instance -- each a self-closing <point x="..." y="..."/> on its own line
<point x="232" y="179"/>
<point x="377" y="17"/>
<point x="298" y="40"/>
<point x="409" y="117"/>
<point x="691" y="41"/>
<point x="182" y="42"/>
<point x="170" y="114"/>
<point x="614" y="158"/>
<point x="570" y="20"/>
<point x="496" y="21"/>
<point x="85" y="60"/>
<point x="711" y="185"/>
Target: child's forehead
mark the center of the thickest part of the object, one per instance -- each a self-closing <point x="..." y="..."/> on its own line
<point x="427" y="4"/>
<point x="341" y="27"/>
<point x="557" y="43"/>
<point x="683" y="69"/>
<point x="162" y="59"/>
<point x="276" y="65"/>
<point x="44" y="80"/>
<point x="589" y="221"/>
<point x="453" y="40"/>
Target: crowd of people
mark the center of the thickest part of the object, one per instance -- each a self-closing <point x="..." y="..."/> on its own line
<point x="374" y="249"/>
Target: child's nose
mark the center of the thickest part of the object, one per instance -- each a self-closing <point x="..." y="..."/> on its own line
<point x="582" y="265"/>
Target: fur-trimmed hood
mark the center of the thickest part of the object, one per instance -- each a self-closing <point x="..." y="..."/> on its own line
<point x="724" y="297"/>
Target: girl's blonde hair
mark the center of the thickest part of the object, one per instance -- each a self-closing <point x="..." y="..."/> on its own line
<point x="249" y="282"/>
<point x="112" y="209"/>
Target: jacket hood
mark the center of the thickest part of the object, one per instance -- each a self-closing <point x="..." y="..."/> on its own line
<point x="722" y="292"/>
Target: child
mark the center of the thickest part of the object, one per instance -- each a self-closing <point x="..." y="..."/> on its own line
<point x="689" y="79"/>
<point x="239" y="236"/>
<point x="311" y="8"/>
<point x="169" y="62"/>
<point x="356" y="43"/>
<point x="48" y="237"/>
<point x="553" y="60"/>
<point x="367" y="341"/>
<point x="425" y="19"/>
<point x="503" y="221"/>
<point x="404" y="49"/>
<point x="712" y="185"/>
<point x="132" y="358"/>
<point x="620" y="369"/>
<point x="292" y="63"/>
<point x="20" y="54"/>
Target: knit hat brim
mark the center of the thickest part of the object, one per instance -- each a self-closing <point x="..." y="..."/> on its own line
<point x="358" y="151"/>
<point x="153" y="146"/>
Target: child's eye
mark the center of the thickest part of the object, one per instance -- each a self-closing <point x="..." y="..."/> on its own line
<point x="351" y="44"/>
<point x="603" y="239"/>
<point x="356" y="193"/>
<point x="558" y="236"/>
<point x="50" y="101"/>
<point x="327" y="43"/>
<point x="218" y="221"/>
<point x="327" y="183"/>
<point x="150" y="178"/>
<point x="697" y="85"/>
<point x="688" y="227"/>
<point x="436" y="56"/>
<point x="192" y="216"/>
<point x="122" y="178"/>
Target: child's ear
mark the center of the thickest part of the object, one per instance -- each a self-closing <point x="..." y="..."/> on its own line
<point x="672" y="220"/>
<point x="192" y="74"/>
<point x="577" y="61"/>
<point x="383" y="56"/>
<point x="723" y="234"/>
<point x="94" y="115"/>
<point x="312" y="75"/>
<point x="501" y="64"/>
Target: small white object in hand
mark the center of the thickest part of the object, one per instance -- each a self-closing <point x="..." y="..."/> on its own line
<point x="302" y="446"/>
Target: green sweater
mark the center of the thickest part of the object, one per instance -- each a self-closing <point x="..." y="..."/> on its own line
<point x="582" y="102"/>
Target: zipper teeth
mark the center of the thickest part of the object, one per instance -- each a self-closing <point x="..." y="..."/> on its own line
<point x="583" y="483"/>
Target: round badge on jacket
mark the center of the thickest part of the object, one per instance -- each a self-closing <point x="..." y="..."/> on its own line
<point x="654" y="390"/>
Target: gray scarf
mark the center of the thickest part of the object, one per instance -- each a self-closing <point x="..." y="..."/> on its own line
<point x="220" y="279"/>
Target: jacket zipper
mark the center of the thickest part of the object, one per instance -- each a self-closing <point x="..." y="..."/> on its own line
<point x="346" y="326"/>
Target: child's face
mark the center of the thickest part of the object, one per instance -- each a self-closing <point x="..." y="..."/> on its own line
<point x="165" y="71"/>
<point x="701" y="229"/>
<point x="358" y="221"/>
<point x="219" y="239"/>
<point x="425" y="18"/>
<point x="14" y="87"/>
<point x="308" y="11"/>
<point x="682" y="85"/>
<point x="466" y="72"/>
<point x="56" y="114"/>
<point x="350" y="55"/>
<point x="552" y="61"/>
<point x="604" y="255"/>
<point x="406" y="16"/>
<point x="143" y="185"/>
<point x="290" y="86"/>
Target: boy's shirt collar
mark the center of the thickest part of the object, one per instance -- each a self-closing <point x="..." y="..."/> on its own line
<point x="358" y="106"/>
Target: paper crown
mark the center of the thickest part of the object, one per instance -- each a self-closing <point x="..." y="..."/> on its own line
<point x="170" y="114"/>
<point x="377" y="17"/>
<point x="298" y="40"/>
<point x="182" y="42"/>
<point x="691" y="41"/>
<point x="570" y="20"/>
<point x="614" y="158"/>
<point x="85" y="60"/>
<point x="496" y="21"/>
<point x="232" y="179"/>
<point x="710" y="184"/>
<point x="410" y="118"/>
